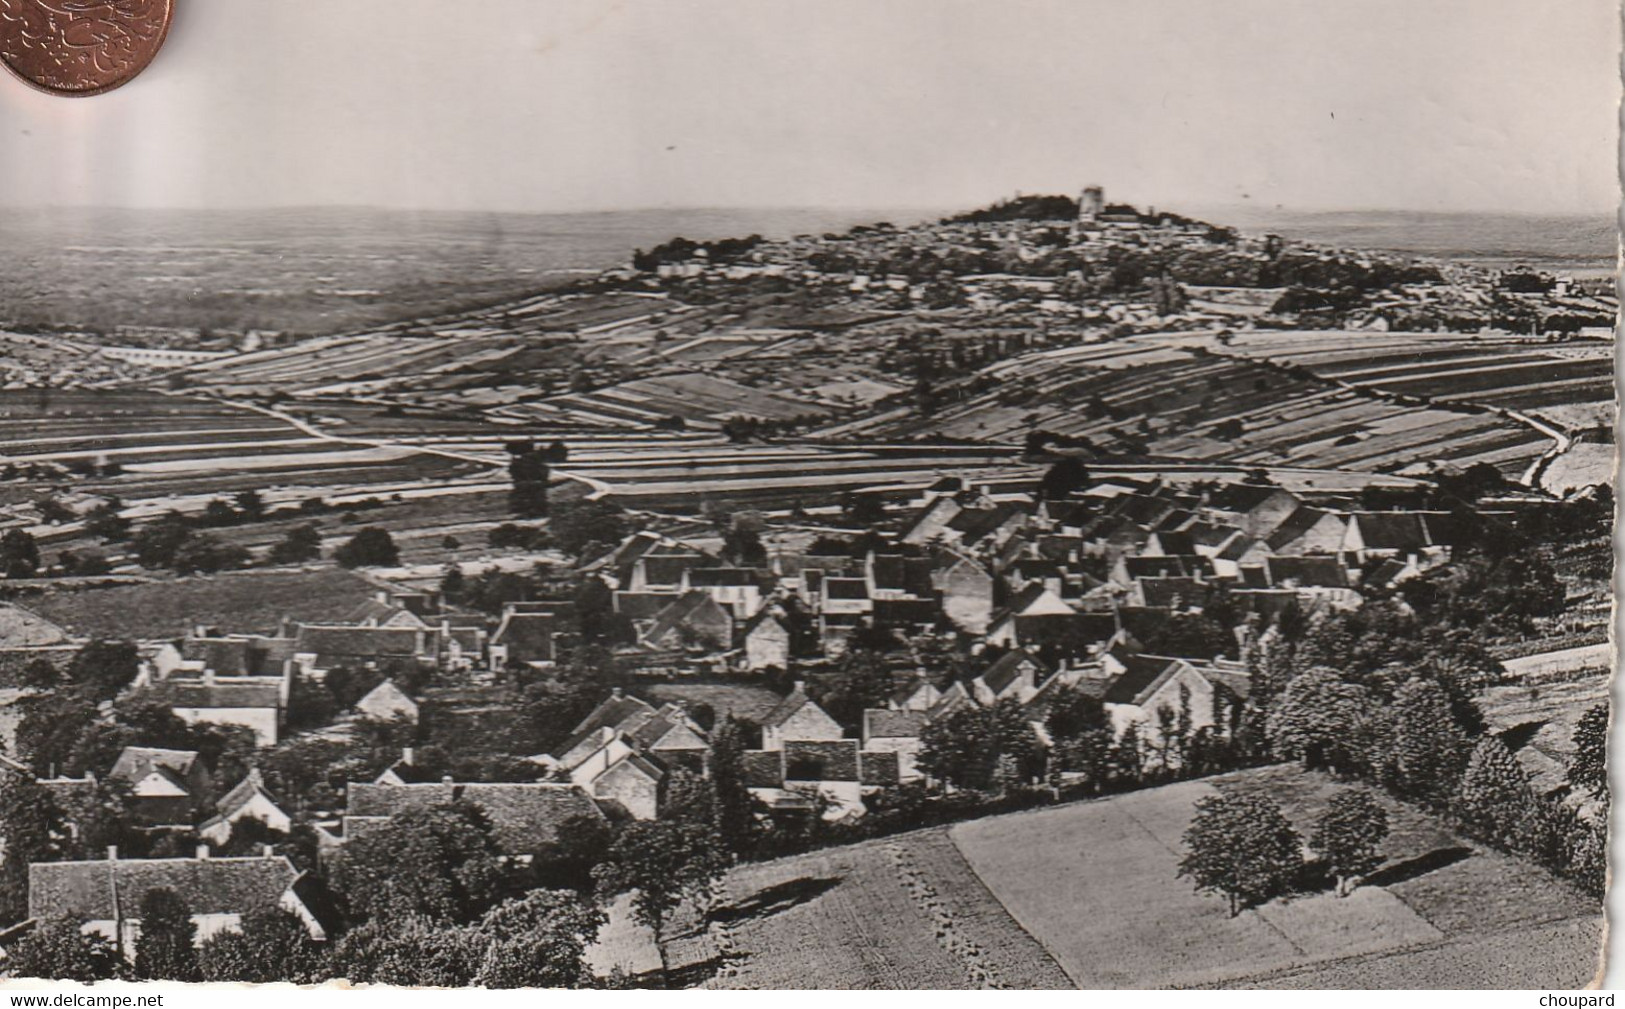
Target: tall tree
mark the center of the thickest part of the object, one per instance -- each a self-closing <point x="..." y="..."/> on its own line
<point x="736" y="817"/>
<point x="1588" y="770"/>
<point x="1323" y="721"/>
<point x="32" y="824"/>
<point x="1428" y="750"/>
<point x="1241" y="846"/>
<point x="61" y="950"/>
<point x="270" y="945"/>
<point x="1348" y="836"/>
<point x="661" y="863"/>
<point x="19" y="554"/>
<point x="529" y="472"/>
<point x="537" y="941"/>
<point x="438" y="863"/>
<point x="166" y="949"/>
<point x="1496" y="799"/>
<point x="411" y="951"/>
<point x="371" y="547"/>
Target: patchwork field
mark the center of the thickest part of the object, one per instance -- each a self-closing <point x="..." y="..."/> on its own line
<point x="1537" y="719"/>
<point x="1184" y="396"/>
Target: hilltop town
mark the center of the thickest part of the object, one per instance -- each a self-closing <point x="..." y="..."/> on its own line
<point x="582" y="609"/>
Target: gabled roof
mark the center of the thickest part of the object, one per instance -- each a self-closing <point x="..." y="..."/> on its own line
<point x="528" y="633"/>
<point x="239" y="655"/>
<point x="241" y="794"/>
<point x="1176" y="542"/>
<point x="1391" y="530"/>
<point x="1242" y="497"/>
<point x="643" y="605"/>
<point x="1302" y="519"/>
<point x="386" y="700"/>
<point x="85" y="890"/>
<point x="692" y="605"/>
<point x="375" y="611"/>
<point x="1307" y="572"/>
<point x="1187" y="592"/>
<point x="883" y="723"/>
<point x="1004" y="672"/>
<point x="613" y="711"/>
<point x="787" y="708"/>
<point x="821" y="760"/>
<point x="178" y="693"/>
<point x="846" y="588"/>
<point x="905" y="612"/>
<point x="879" y="768"/>
<point x="1172" y="566"/>
<point x="719" y="577"/>
<point x="136" y="762"/>
<point x="975" y="523"/>
<point x="523" y="815"/>
<point x="1142" y="675"/>
<point x="669" y="568"/>
<point x="358" y="642"/>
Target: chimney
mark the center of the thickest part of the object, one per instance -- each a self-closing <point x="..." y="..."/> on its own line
<point x="407" y="755"/>
<point x="446" y="779"/>
<point x="208" y="677"/>
<point x="615" y="693"/>
<point x="267" y="851"/>
<point x="112" y="853"/>
<point x="800" y="688"/>
<point x="202" y="853"/>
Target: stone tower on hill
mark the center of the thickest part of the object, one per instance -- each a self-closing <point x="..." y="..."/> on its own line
<point x="1091" y="204"/>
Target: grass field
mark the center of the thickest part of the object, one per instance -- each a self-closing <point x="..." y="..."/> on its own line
<point x="238" y="602"/>
<point x="900" y="913"/>
<point x="1095" y="883"/>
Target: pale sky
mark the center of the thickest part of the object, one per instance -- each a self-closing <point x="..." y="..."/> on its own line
<point x="560" y="105"/>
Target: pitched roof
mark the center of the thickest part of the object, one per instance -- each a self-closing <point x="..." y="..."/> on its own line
<point x="239" y="655"/>
<point x="714" y="577"/>
<point x="386" y="700"/>
<point x="358" y="642"/>
<point x="821" y="760"/>
<point x="905" y="612"/>
<point x="763" y="768"/>
<point x="786" y="709"/>
<point x="1242" y="497"/>
<point x="179" y="693"/>
<point x="613" y="711"/>
<point x="373" y="610"/>
<point x="1307" y="572"/>
<point x="1391" y="530"/>
<point x="136" y="762"/>
<point x="1188" y="592"/>
<point x="1176" y="542"/>
<point x="883" y="723"/>
<point x="1141" y="675"/>
<point x="523" y="815"/>
<point x="1004" y="672"/>
<point x="643" y="605"/>
<point x="528" y="633"/>
<point x="241" y="795"/>
<point x="1302" y="519"/>
<point x="689" y="606"/>
<point x="1172" y="566"/>
<point x="879" y="768"/>
<point x="846" y="588"/>
<point x="206" y="886"/>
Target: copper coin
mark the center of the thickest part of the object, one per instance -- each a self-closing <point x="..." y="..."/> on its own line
<point x="81" y="47"/>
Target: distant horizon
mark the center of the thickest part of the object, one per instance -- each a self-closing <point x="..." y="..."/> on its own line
<point x="879" y="208"/>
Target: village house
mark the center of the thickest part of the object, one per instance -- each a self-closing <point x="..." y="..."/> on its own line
<point x="105" y="894"/>
<point x="386" y="702"/>
<point x="255" y="703"/>
<point x="694" y="620"/>
<point x="1153" y="689"/>
<point x="248" y="800"/>
<point x="166" y="786"/>
<point x="798" y="718"/>
<point x="525" y="816"/>
<point x="1013" y="676"/>
<point x="898" y="732"/>
<point x="321" y="647"/>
